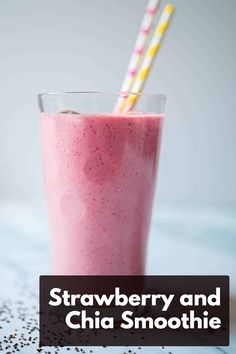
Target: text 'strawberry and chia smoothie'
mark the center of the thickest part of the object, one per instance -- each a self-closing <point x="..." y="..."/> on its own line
<point x="100" y="173"/>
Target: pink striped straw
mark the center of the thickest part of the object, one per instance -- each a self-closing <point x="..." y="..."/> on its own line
<point x="139" y="47"/>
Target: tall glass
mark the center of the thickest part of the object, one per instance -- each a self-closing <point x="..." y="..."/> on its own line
<point x="100" y="171"/>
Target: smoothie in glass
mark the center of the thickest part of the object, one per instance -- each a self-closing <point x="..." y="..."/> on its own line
<point x="100" y="174"/>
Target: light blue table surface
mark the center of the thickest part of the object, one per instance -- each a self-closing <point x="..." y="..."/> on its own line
<point x="184" y="240"/>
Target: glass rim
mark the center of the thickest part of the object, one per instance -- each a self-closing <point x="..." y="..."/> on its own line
<point x="104" y="93"/>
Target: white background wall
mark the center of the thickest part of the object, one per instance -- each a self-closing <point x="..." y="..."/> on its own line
<point x="53" y="45"/>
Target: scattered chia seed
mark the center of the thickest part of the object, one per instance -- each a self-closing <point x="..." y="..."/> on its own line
<point x="25" y="315"/>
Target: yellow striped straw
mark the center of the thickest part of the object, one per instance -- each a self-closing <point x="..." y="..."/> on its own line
<point x="138" y="51"/>
<point x="150" y="56"/>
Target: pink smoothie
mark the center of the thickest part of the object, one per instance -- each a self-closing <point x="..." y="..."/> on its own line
<point x="100" y="173"/>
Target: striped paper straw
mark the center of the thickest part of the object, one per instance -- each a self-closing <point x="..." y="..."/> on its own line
<point x="139" y="47"/>
<point x="150" y="56"/>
